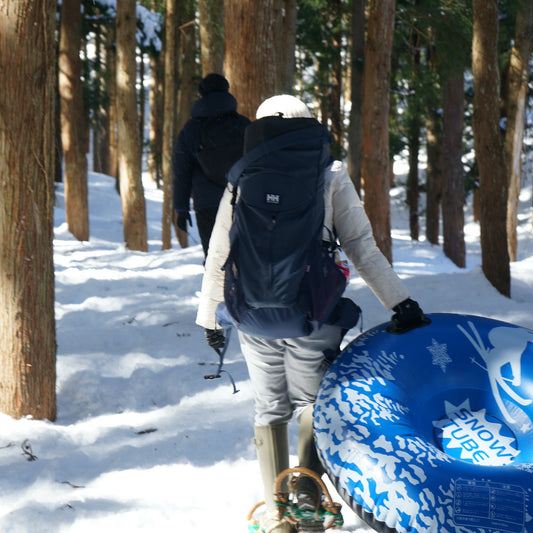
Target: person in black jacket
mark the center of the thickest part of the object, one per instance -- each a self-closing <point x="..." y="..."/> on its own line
<point x="191" y="180"/>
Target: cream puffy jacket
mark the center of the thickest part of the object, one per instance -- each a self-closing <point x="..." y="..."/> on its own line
<point x="344" y="212"/>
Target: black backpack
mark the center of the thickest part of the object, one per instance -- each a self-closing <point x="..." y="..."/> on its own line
<point x="281" y="279"/>
<point x="221" y="142"/>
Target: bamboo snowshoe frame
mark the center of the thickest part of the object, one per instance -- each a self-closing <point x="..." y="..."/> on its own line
<point x="326" y="515"/>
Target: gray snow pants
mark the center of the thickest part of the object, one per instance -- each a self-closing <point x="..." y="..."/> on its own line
<point x="286" y="373"/>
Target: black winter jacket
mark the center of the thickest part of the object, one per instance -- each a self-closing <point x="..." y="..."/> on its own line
<point x="189" y="180"/>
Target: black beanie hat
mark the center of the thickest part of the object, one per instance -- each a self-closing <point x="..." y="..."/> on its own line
<point x="213" y="83"/>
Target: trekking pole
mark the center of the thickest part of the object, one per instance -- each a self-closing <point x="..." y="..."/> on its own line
<point x="221" y="354"/>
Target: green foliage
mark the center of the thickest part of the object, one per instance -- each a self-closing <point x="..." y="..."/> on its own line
<point x="312" y="45"/>
<point x="322" y="48"/>
<point x="319" y="28"/>
<point x="432" y="41"/>
<point x="446" y="25"/>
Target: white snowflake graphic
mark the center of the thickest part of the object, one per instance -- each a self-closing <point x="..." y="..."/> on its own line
<point x="440" y="354"/>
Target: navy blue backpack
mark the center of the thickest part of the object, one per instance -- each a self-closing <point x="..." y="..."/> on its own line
<point x="221" y="142"/>
<point x="281" y="279"/>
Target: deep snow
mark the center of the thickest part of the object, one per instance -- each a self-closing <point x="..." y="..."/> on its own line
<point x="142" y="442"/>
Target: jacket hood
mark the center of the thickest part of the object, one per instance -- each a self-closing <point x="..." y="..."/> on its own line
<point x="214" y="104"/>
<point x="269" y="127"/>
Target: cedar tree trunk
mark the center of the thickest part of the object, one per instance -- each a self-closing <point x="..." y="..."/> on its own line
<point x="375" y="146"/>
<point x="27" y="139"/>
<point x="129" y="149"/>
<point x="488" y="146"/>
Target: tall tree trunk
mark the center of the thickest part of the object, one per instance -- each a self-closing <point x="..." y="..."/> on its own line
<point x="433" y="149"/>
<point x="187" y="64"/>
<point x="101" y="124"/>
<point x="156" y="118"/>
<point x="334" y="91"/>
<point x="155" y="104"/>
<point x="111" y="71"/>
<point x="412" y="175"/>
<point x="27" y="326"/>
<point x="73" y="124"/>
<point x="433" y="174"/>
<point x="186" y="51"/>
<point x="142" y="99"/>
<point x="169" y="104"/>
<point x="58" y="152"/>
<point x="252" y="65"/>
<point x="98" y="115"/>
<point x="453" y="195"/>
<point x="287" y="46"/>
<point x="58" y="158"/>
<point x="414" y="126"/>
<point x="488" y="146"/>
<point x="356" y="82"/>
<point x="375" y="146"/>
<point x="129" y="152"/>
<point x="515" y="107"/>
<point x="394" y="115"/>
<point x="211" y="15"/>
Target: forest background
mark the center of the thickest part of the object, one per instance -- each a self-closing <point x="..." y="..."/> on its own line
<point x="448" y="81"/>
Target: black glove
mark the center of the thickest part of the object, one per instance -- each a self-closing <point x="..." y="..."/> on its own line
<point x="182" y="219"/>
<point x="215" y="338"/>
<point x="407" y="316"/>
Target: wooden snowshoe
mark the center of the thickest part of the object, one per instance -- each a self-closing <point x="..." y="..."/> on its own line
<point x="326" y="515"/>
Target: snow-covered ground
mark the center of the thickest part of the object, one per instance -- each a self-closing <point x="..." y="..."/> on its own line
<point x="142" y="442"/>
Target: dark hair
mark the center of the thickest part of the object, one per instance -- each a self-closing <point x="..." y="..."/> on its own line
<point x="213" y="83"/>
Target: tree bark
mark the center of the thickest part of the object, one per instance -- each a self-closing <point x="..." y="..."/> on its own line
<point x="169" y="103"/>
<point x="433" y="175"/>
<point x="73" y="123"/>
<point x="375" y="146"/>
<point x="433" y="148"/>
<point x="356" y="83"/>
<point x="142" y="100"/>
<point x="186" y="63"/>
<point x="515" y="108"/>
<point x="334" y="91"/>
<point x="488" y="146"/>
<point x="453" y="196"/>
<point x="129" y="152"/>
<point x="412" y="175"/>
<point x="211" y="16"/>
<point x="101" y="122"/>
<point x="27" y="326"/>
<point x="252" y="62"/>
<point x="287" y="44"/>
<point x="414" y="112"/>
<point x="58" y="152"/>
<point x="97" y="121"/>
<point x="186" y="74"/>
<point x="111" y="59"/>
<point x="156" y="118"/>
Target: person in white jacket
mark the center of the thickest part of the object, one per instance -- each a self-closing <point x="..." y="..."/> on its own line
<point x="286" y="373"/>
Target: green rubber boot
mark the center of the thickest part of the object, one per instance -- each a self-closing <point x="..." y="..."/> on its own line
<point x="307" y="493"/>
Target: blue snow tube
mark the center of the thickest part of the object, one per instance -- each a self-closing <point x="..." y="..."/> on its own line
<point x="432" y="430"/>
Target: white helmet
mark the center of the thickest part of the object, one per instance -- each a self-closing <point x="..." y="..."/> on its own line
<point x="283" y="105"/>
